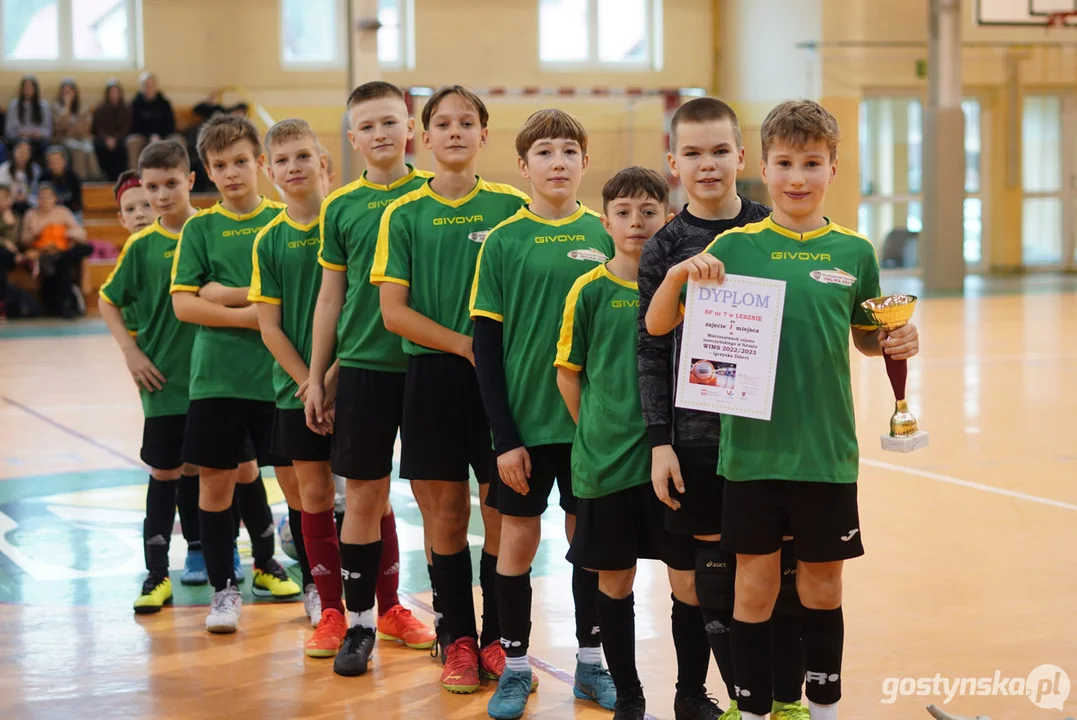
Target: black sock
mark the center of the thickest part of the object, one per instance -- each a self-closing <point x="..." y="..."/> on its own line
<point x="254" y="509"/>
<point x="751" y="660"/>
<point x="824" y="638"/>
<point x="295" y="522"/>
<point x="217" y="543"/>
<point x="715" y="573"/>
<point x="585" y="598"/>
<point x="690" y="643"/>
<point x="187" y="499"/>
<point x="491" y="606"/>
<point x="359" y="566"/>
<point x="453" y="578"/>
<point x="157" y="527"/>
<point x="618" y="621"/>
<point x="237" y="519"/>
<point x="514" y="608"/>
<point x="788" y="656"/>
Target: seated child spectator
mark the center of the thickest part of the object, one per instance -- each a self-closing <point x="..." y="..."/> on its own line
<point x="29" y="117"/>
<point x="111" y="125"/>
<point x="53" y="237"/>
<point x="22" y="175"/>
<point x="71" y="123"/>
<point x="63" y="179"/>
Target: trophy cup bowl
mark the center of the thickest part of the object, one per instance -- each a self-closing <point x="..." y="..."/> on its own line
<point x="891" y="312"/>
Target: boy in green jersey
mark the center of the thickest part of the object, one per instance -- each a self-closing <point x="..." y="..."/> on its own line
<point x="230" y="420"/>
<point x="283" y="286"/>
<point x="619" y="520"/>
<point x="526" y="267"/>
<point x="424" y="263"/>
<point x="810" y="488"/>
<point x="158" y="355"/>
<point x="368" y="391"/>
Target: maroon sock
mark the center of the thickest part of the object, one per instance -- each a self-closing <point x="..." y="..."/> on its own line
<point x="323" y="552"/>
<point x="389" y="569"/>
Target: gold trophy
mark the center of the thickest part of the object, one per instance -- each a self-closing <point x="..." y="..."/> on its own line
<point x="891" y="312"/>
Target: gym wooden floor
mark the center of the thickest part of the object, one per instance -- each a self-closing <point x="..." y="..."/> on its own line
<point x="969" y="568"/>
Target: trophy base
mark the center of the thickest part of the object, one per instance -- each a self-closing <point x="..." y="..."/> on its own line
<point x="907" y="444"/>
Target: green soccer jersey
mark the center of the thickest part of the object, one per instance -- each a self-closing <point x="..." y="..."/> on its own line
<point x="139" y="283"/>
<point x="130" y="318"/>
<point x="216" y="245"/>
<point x="811" y="434"/>
<point x="286" y="273"/>
<point x="349" y="233"/>
<point x="429" y="244"/>
<point x="526" y="267"/>
<point x="610" y="451"/>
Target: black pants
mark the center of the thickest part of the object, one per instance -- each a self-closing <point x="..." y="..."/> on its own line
<point x="112" y="162"/>
<point x="59" y="280"/>
<point x="7" y="264"/>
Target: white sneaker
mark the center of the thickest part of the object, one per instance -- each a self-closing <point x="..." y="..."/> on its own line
<point x="224" y="610"/>
<point x="312" y="603"/>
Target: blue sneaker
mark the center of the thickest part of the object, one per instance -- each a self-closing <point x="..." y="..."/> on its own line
<point x="194" y="569"/>
<point x="237" y="567"/>
<point x="510" y="699"/>
<point x="593" y="682"/>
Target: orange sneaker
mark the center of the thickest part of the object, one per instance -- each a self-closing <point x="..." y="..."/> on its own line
<point x="461" y="673"/>
<point x="327" y="639"/>
<point x="492" y="663"/>
<point x="399" y="625"/>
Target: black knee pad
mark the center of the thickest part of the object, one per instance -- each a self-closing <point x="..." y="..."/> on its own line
<point x="788" y="602"/>
<point x="716" y="573"/>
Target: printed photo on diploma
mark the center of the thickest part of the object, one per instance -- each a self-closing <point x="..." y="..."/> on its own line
<point x="729" y="351"/>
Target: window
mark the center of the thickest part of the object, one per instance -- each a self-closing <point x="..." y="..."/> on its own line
<point x="891" y="175"/>
<point x="70" y="33"/>
<point x="313" y="33"/>
<point x="612" y="34"/>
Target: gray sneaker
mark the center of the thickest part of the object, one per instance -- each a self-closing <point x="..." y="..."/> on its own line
<point x="312" y="603"/>
<point x="224" y="610"/>
<point x="940" y="714"/>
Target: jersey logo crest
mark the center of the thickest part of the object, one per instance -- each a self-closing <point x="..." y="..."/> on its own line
<point x="588" y="254"/>
<point x="478" y="236"/>
<point x="837" y="276"/>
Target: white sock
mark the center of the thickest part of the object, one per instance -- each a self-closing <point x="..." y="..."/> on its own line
<point x="823" y="712"/>
<point x="364" y="619"/>
<point x="751" y="716"/>
<point x="518" y="664"/>
<point x="591" y="655"/>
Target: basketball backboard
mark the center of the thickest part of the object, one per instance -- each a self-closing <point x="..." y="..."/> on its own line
<point x="1023" y="12"/>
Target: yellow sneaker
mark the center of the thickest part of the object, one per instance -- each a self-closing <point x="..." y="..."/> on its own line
<point x="156" y="591"/>
<point x="273" y="581"/>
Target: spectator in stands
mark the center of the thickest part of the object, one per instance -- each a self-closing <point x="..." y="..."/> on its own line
<point x="53" y="237"/>
<point x="9" y="249"/>
<point x="22" y="175"/>
<point x="29" y="117"/>
<point x="152" y="119"/>
<point x="63" y="179"/>
<point x="111" y="125"/>
<point x="71" y="128"/>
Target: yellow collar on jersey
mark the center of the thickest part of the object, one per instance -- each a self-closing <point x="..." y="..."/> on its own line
<point x="412" y="173"/>
<point x="620" y="281"/>
<point x="769" y="224"/>
<point x="219" y="209"/>
<point x="580" y="212"/>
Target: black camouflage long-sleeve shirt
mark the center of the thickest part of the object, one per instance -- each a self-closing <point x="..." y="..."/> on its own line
<point x="684" y="236"/>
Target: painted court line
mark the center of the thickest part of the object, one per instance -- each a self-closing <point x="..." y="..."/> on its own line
<point x="74" y="433"/>
<point x="970" y="484"/>
<point x="536" y="662"/>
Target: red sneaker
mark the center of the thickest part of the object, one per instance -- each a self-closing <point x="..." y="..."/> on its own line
<point x="399" y="625"/>
<point x="461" y="672"/>
<point x="327" y="639"/>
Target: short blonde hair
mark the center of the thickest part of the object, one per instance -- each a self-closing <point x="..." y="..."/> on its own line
<point x="799" y="122"/>
<point x="289" y="129"/>
<point x="222" y="132"/>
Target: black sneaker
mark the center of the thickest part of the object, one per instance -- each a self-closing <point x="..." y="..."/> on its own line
<point x="354" y="655"/>
<point x="696" y="705"/>
<point x="633" y="707"/>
